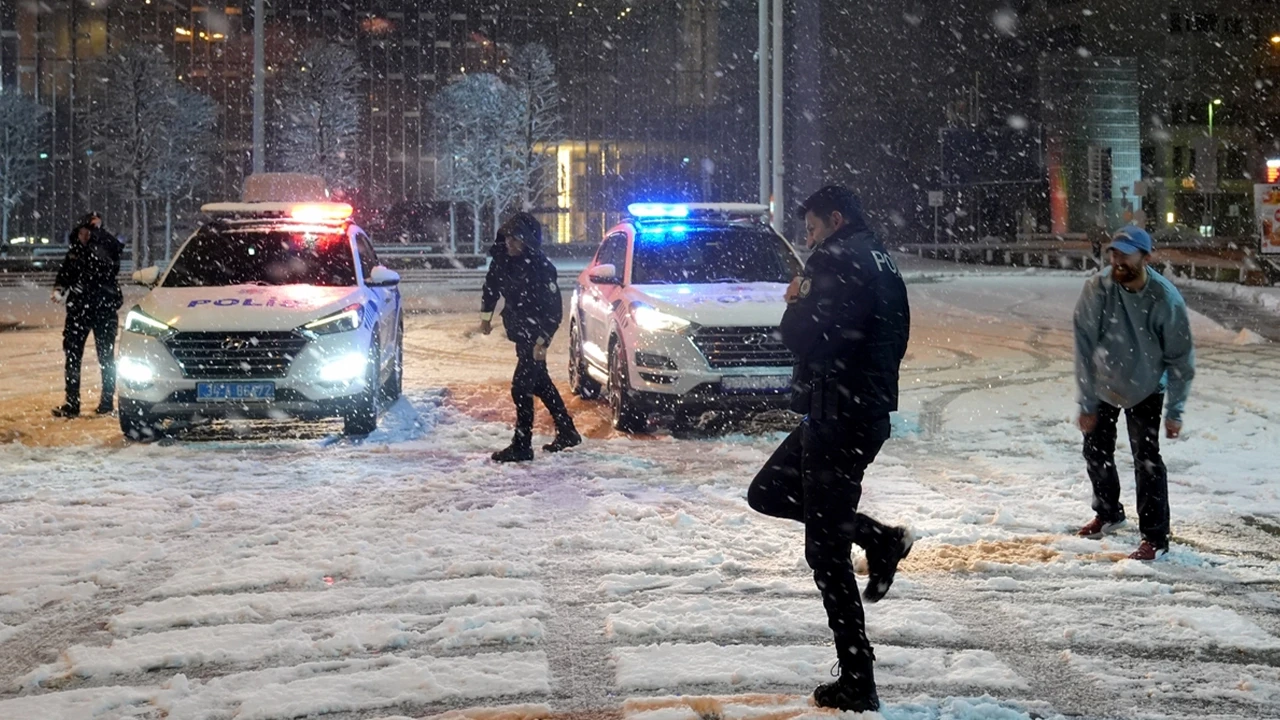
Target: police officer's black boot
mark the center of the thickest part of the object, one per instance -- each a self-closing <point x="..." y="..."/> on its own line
<point x="520" y="449"/>
<point x="566" y="436"/>
<point x="882" y="561"/>
<point x="66" y="410"/>
<point x="855" y="689"/>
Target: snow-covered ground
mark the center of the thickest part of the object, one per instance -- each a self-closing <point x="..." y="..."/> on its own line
<point x="1267" y="297"/>
<point x="275" y="571"/>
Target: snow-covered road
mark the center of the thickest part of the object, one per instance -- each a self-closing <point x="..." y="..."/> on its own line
<point x="275" y="572"/>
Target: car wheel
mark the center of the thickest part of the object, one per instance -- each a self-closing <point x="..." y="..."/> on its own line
<point x="580" y="383"/>
<point x="137" y="424"/>
<point x="626" y="415"/>
<point x="394" y="386"/>
<point x="362" y="417"/>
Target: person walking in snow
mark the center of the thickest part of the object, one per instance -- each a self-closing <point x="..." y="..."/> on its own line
<point x="1134" y="353"/>
<point x="87" y="283"/>
<point x="526" y="281"/>
<point x="847" y="322"/>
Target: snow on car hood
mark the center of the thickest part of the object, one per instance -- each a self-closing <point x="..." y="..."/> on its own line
<point x="718" y="304"/>
<point x="245" y="307"/>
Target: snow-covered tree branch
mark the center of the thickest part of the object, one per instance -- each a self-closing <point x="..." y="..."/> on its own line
<point x="22" y="123"/>
<point x="533" y="75"/>
<point x="183" y="145"/>
<point x="138" y="116"/>
<point x="478" y="120"/>
<point x="318" y="121"/>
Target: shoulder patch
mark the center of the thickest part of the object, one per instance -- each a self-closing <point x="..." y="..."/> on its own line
<point x="806" y="285"/>
<point x="553" y="287"/>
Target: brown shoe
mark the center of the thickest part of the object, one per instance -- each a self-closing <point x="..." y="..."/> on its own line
<point x="1098" y="527"/>
<point x="1147" y="552"/>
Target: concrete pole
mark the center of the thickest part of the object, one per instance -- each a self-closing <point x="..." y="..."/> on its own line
<point x="259" y="90"/>
<point x="762" y="8"/>
<point x="779" y="194"/>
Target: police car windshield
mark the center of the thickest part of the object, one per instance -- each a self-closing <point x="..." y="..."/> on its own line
<point x="677" y="253"/>
<point x="264" y="258"/>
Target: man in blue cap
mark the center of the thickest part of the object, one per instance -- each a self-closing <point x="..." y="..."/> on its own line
<point x="1133" y="353"/>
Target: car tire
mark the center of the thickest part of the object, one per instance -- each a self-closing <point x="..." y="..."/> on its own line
<point x="625" y="414"/>
<point x="362" y="417"/>
<point x="394" y="386"/>
<point x="580" y="383"/>
<point x="137" y="424"/>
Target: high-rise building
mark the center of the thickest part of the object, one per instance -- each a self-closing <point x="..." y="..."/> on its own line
<point x="658" y="96"/>
<point x="1193" y="82"/>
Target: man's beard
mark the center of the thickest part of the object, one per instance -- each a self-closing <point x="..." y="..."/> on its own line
<point x="1123" y="273"/>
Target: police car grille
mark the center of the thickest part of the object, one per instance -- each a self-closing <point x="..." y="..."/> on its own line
<point x="735" y="347"/>
<point x="235" y="355"/>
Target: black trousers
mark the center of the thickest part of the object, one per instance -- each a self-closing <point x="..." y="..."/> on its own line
<point x="532" y="380"/>
<point x="103" y="323"/>
<point x="815" y="477"/>
<point x="1143" y="421"/>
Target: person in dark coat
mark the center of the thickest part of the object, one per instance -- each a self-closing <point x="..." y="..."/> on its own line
<point x="847" y="322"/>
<point x="87" y="282"/>
<point x="526" y="281"/>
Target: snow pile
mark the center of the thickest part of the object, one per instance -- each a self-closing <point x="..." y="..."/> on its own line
<point x="1249" y="337"/>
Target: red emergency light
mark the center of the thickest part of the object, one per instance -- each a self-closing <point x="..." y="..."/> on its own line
<point x="320" y="212"/>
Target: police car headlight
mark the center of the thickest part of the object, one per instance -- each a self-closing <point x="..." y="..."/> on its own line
<point x="344" y="368"/>
<point x="345" y="321"/>
<point x="134" y="372"/>
<point x="139" y="322"/>
<point x="654" y="320"/>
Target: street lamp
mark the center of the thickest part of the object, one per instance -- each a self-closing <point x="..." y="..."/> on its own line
<point x="1216" y="101"/>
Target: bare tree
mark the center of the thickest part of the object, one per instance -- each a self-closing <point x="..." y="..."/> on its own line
<point x="533" y="75"/>
<point x="318" y="121"/>
<point x="22" y="123"/>
<point x="184" y="142"/>
<point x="126" y="115"/>
<point x="478" y="119"/>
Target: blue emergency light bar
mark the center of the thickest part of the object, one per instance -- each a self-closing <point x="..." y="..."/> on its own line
<point x="658" y="210"/>
<point x="663" y="229"/>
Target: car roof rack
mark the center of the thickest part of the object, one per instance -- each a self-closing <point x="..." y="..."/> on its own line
<point x="311" y="213"/>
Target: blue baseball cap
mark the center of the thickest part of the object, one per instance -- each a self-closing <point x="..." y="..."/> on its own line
<point x="1131" y="239"/>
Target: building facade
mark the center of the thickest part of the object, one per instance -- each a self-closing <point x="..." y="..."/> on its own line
<point x="657" y="96"/>
<point x="1198" y="79"/>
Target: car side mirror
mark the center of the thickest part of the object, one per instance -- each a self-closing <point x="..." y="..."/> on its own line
<point x="605" y="275"/>
<point x="382" y="276"/>
<point x="147" y="276"/>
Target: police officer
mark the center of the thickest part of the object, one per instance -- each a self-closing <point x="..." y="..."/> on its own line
<point x="531" y="313"/>
<point x="847" y="322"/>
<point x="87" y="283"/>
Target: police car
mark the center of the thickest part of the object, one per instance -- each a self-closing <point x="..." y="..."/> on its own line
<point x="678" y="311"/>
<point x="270" y="310"/>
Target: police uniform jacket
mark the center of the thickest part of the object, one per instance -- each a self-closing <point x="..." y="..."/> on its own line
<point x="530" y="289"/>
<point x="89" y="273"/>
<point x="848" y="328"/>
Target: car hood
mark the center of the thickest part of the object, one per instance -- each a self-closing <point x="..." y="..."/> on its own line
<point x="719" y="304"/>
<point x="245" y="307"/>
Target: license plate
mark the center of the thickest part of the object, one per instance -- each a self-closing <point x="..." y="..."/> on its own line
<point x="233" y="391"/>
<point x="755" y="383"/>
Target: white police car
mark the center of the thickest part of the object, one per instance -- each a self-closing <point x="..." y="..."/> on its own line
<point x="678" y="313"/>
<point x="269" y="310"/>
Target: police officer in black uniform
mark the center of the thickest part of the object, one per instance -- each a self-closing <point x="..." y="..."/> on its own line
<point x="847" y="321"/>
<point x="531" y="313"/>
<point x="87" y="283"/>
